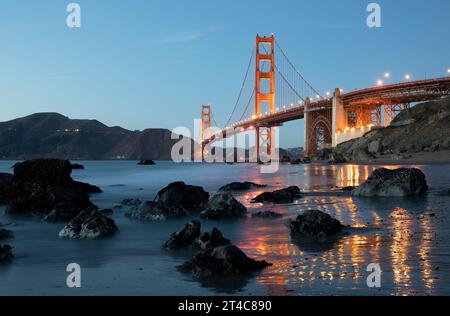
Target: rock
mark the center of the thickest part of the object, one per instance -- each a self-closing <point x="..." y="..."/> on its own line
<point x="393" y="183"/>
<point x="5" y="182"/>
<point x="89" y="224"/>
<point x="241" y="186"/>
<point x="188" y="196"/>
<point x="184" y="237"/>
<point x="349" y="188"/>
<point x="5" y="234"/>
<point x="77" y="166"/>
<point x="287" y="195"/>
<point x="337" y="158"/>
<point x="43" y="186"/>
<point x="210" y="240"/>
<point x="296" y="162"/>
<point x="131" y="202"/>
<point x="5" y="253"/>
<point x="106" y="211"/>
<point x="222" y="206"/>
<point x="156" y="211"/>
<point x="267" y="214"/>
<point x="445" y="192"/>
<point x="374" y="147"/>
<point x="146" y="162"/>
<point x="315" y="223"/>
<point x="221" y="261"/>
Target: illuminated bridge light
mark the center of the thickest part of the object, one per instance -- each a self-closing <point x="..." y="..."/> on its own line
<point x="380" y="82"/>
<point x="387" y="75"/>
<point x="408" y="77"/>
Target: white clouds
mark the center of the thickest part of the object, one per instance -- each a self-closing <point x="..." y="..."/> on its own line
<point x="185" y="37"/>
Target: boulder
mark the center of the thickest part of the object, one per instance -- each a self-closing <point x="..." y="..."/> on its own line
<point x="315" y="223"/>
<point x="5" y="234"/>
<point x="156" y="211"/>
<point x="77" y="166"/>
<point x="267" y="214"/>
<point x="184" y="237"/>
<point x="223" y="206"/>
<point x="146" y="162"/>
<point x="210" y="240"/>
<point x="39" y="187"/>
<point x="374" y="147"/>
<point x="5" y="182"/>
<point x="241" y="186"/>
<point x="188" y="196"/>
<point x="287" y="195"/>
<point x="131" y="202"/>
<point x="393" y="183"/>
<point x="89" y="224"/>
<point x="221" y="261"/>
<point x="5" y="253"/>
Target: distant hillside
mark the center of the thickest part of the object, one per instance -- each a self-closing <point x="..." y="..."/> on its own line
<point x="423" y="128"/>
<point x="52" y="135"/>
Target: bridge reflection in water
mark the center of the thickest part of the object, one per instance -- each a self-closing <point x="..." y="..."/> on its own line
<point x="389" y="232"/>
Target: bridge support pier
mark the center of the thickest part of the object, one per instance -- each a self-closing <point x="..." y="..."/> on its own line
<point x="339" y="121"/>
<point x="307" y="119"/>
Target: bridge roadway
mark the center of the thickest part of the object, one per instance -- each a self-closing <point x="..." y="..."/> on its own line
<point x="400" y="93"/>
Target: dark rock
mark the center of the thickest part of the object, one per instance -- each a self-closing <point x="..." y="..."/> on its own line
<point x="222" y="206"/>
<point x="188" y="196"/>
<point x="106" y="211"/>
<point x="156" y="211"/>
<point x="184" y="237"/>
<point x="42" y="186"/>
<point x="77" y="166"/>
<point x="131" y="202"/>
<point x="241" y="186"/>
<point x="210" y="240"/>
<point x="89" y="224"/>
<point x="5" y="183"/>
<point x="146" y="162"/>
<point x="5" y="234"/>
<point x="287" y="195"/>
<point x="221" y="261"/>
<point x="393" y="183"/>
<point x="349" y="188"/>
<point x="445" y="192"/>
<point x="267" y="214"/>
<point x="315" y="223"/>
<point x="5" y="253"/>
<point x="296" y="162"/>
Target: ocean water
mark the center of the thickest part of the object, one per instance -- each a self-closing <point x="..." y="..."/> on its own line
<point x="408" y="237"/>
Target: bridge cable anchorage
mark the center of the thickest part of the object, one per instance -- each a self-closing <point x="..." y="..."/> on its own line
<point x="242" y="88"/>
<point x="296" y="70"/>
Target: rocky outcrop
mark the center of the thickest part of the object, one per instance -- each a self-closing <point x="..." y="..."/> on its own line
<point x="156" y="211"/>
<point x="5" y="253"/>
<point x="393" y="183"/>
<point x="188" y="196"/>
<point x="210" y="240"/>
<point x="146" y="162"/>
<point x="224" y="206"/>
<point x="185" y="237"/>
<point x="77" y="166"/>
<point x="240" y="186"/>
<point x="221" y="261"/>
<point x="287" y="195"/>
<point x="131" y="202"/>
<point x="267" y="214"/>
<point x="5" y="234"/>
<point x="422" y="128"/>
<point x="40" y="187"/>
<point x="315" y="223"/>
<point x="5" y="183"/>
<point x="89" y="224"/>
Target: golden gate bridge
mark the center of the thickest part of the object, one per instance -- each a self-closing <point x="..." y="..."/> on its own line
<point x="280" y="93"/>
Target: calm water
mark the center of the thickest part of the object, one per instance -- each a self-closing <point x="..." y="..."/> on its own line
<point x="412" y="247"/>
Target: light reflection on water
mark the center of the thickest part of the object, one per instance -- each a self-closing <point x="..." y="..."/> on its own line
<point x="411" y="246"/>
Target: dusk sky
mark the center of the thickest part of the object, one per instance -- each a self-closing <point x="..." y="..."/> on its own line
<point x="147" y="64"/>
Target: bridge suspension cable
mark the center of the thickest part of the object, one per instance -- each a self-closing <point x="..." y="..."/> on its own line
<point x="242" y="88"/>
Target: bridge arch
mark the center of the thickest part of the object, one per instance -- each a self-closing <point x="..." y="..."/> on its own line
<point x="320" y="132"/>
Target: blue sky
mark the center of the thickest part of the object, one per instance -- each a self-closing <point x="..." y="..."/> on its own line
<point x="141" y="64"/>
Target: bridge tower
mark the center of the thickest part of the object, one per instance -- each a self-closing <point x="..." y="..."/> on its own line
<point x="206" y="124"/>
<point x="265" y="47"/>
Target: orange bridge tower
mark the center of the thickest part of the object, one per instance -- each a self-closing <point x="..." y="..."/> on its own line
<point x="265" y="92"/>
